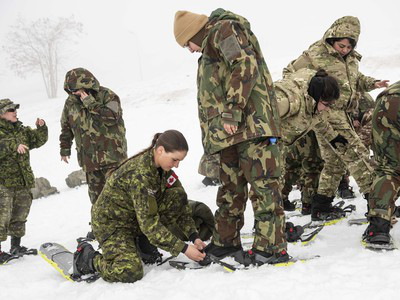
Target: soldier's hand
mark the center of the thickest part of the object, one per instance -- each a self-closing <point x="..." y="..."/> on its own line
<point x="65" y="158"/>
<point x="200" y="245"/>
<point x="381" y="84"/>
<point x="356" y="123"/>
<point x="231" y="129"/>
<point x="194" y="254"/>
<point x="39" y="122"/>
<point x="22" y="149"/>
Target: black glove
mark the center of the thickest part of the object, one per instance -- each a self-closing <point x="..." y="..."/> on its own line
<point x="339" y="139"/>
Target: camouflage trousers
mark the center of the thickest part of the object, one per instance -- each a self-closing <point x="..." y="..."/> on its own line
<point x="96" y="181"/>
<point x="209" y="166"/>
<point x="258" y="163"/>
<point x="384" y="193"/>
<point x="303" y="165"/>
<point x="203" y="219"/>
<point x="15" y="204"/>
<point x="120" y="260"/>
<point x="354" y="157"/>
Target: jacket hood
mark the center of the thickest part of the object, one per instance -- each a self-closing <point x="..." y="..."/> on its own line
<point x="80" y="78"/>
<point x="345" y="27"/>
<point x="222" y="14"/>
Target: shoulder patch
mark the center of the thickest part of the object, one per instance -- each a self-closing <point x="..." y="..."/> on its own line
<point x="114" y="106"/>
<point x="230" y="48"/>
<point x="172" y="179"/>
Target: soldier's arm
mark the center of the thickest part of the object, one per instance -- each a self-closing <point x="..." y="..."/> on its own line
<point x="8" y="147"/>
<point x="321" y="125"/>
<point x="66" y="136"/>
<point x="37" y="137"/>
<point x="366" y="83"/>
<point x="240" y="57"/>
<point x="149" y="220"/>
<point x="107" y="109"/>
<point x="303" y="61"/>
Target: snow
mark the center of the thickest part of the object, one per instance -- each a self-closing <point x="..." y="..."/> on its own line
<point x="134" y="53"/>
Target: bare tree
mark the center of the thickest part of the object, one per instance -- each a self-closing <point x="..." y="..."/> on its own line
<point x="39" y="45"/>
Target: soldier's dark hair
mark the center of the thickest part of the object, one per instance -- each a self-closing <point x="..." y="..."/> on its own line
<point x="171" y="140"/>
<point x="323" y="87"/>
<point x="331" y="41"/>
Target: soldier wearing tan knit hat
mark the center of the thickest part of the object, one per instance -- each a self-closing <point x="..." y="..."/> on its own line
<point x="187" y="25"/>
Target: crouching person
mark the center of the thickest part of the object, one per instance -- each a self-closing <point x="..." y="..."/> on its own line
<point x="16" y="176"/>
<point x="142" y="196"/>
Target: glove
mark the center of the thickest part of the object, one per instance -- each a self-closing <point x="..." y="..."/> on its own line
<point x="339" y="139"/>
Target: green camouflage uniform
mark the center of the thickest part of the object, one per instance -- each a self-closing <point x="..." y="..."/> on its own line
<point x="235" y="87"/>
<point x="16" y="176"/>
<point x="209" y="166"/>
<point x="138" y="198"/>
<point x="96" y="124"/>
<point x="386" y="147"/>
<point x="355" y="156"/>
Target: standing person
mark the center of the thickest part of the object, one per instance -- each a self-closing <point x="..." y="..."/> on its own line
<point x="142" y="196"/>
<point x="16" y="176"/>
<point x="240" y="121"/>
<point x="386" y="147"/>
<point x="92" y="116"/>
<point x="335" y="53"/>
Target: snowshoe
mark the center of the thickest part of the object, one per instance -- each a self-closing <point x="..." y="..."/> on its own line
<point x="293" y="233"/>
<point x="207" y="181"/>
<point x="258" y="258"/>
<point x="289" y="206"/>
<point x="6" y="257"/>
<point x="219" y="252"/>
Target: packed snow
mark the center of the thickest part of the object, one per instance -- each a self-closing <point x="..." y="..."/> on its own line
<point x="130" y="48"/>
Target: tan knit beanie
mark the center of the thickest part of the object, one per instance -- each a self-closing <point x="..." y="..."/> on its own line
<point x="186" y="25"/>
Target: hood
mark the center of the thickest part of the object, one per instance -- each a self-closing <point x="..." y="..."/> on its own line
<point x="345" y="27"/>
<point x="222" y="14"/>
<point x="80" y="78"/>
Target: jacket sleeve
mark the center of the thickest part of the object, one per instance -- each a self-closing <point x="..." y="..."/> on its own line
<point x="239" y="56"/>
<point x="105" y="109"/>
<point x="145" y="205"/>
<point x="303" y="61"/>
<point x="366" y="83"/>
<point x="321" y="125"/>
<point x="66" y="136"/>
<point x="37" y="137"/>
<point x="8" y="147"/>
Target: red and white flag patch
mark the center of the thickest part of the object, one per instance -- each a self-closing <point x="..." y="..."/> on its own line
<point x="172" y="179"/>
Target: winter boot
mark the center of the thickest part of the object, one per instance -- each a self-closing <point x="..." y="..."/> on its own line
<point x="288" y="206"/>
<point x="83" y="259"/>
<point x="257" y="258"/>
<point x="16" y="248"/>
<point x="4" y="257"/>
<point x="293" y="233"/>
<point x="305" y="209"/>
<point x="345" y="191"/>
<point x="207" y="181"/>
<point x="322" y="209"/>
<point x="219" y="252"/>
<point x="148" y="252"/>
<point x="377" y="231"/>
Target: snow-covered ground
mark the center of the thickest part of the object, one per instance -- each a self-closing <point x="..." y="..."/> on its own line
<point x="166" y="99"/>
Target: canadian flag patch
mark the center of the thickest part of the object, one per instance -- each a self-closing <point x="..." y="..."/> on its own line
<point x="172" y="179"/>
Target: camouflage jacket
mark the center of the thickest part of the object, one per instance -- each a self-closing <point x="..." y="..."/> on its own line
<point x="234" y="84"/>
<point x="321" y="55"/>
<point x="297" y="108"/>
<point x="135" y="197"/>
<point x="386" y="130"/>
<point x="15" y="168"/>
<point x="96" y="123"/>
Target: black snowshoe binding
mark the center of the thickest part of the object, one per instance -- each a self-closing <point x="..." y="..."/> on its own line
<point x="289" y="206"/>
<point x="219" y="252"/>
<point x="148" y="252"/>
<point x="207" y="181"/>
<point x="5" y="257"/>
<point x="18" y="250"/>
<point x="293" y="233"/>
<point x="305" y="209"/>
<point x="257" y="258"/>
<point x="83" y="259"/>
<point x="345" y="191"/>
<point x="377" y="232"/>
<point x="322" y="209"/>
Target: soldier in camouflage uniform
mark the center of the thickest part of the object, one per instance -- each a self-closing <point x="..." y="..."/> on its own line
<point x="142" y="196"/>
<point x="386" y="147"/>
<point x="16" y="176"/>
<point x="239" y="120"/>
<point x="92" y="116"/>
<point x="335" y="54"/>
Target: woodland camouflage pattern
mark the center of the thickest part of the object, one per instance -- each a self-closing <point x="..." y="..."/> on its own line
<point x="386" y="147"/>
<point x="209" y="166"/>
<point x="137" y="200"/>
<point x="234" y="84"/>
<point x="96" y="123"/>
<point x="355" y="156"/>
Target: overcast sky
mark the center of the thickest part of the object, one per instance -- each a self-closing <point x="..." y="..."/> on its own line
<point x="126" y="41"/>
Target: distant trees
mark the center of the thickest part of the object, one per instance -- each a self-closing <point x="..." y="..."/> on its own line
<point x="40" y="45"/>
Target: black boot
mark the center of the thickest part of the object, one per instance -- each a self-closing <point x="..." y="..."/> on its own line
<point x="257" y="258"/>
<point x="305" y="209"/>
<point x="345" y="191"/>
<point x="16" y="248"/>
<point x="322" y="209"/>
<point x="207" y="181"/>
<point x="377" y="231"/>
<point x="148" y="252"/>
<point x="288" y="206"/>
<point x="293" y="233"/>
<point x="83" y="259"/>
<point x="220" y="252"/>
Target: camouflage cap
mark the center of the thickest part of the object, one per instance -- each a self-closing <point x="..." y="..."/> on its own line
<point x="6" y="104"/>
<point x="80" y="78"/>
